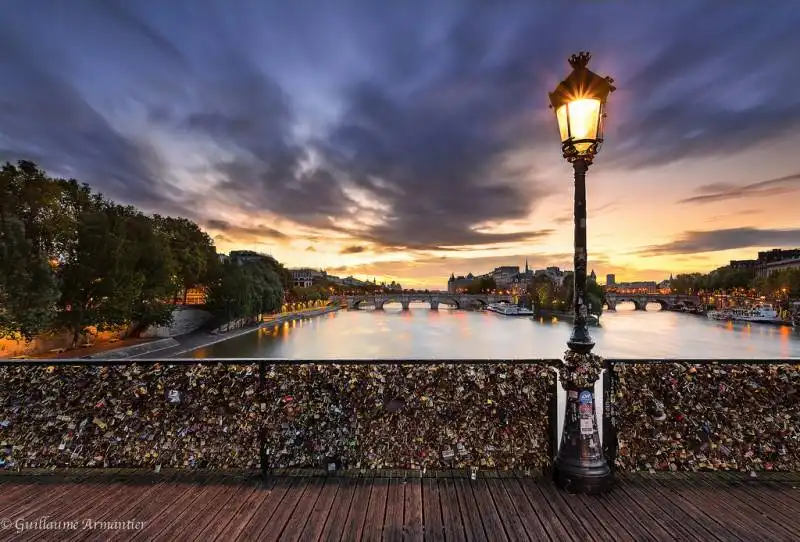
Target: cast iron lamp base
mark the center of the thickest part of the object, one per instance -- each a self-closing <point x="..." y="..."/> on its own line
<point x="581" y="478"/>
<point x="580" y="465"/>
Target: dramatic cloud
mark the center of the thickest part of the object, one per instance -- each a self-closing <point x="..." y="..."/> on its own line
<point x="713" y="241"/>
<point x="402" y="127"/>
<point x="354" y="249"/>
<point x="711" y="193"/>
<point x="252" y="232"/>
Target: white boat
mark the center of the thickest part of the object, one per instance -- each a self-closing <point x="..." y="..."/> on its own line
<point x="763" y="313"/>
<point x="507" y="309"/>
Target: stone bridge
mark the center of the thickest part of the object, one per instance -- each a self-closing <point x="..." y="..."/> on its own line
<point x="459" y="301"/>
<point x="640" y="301"/>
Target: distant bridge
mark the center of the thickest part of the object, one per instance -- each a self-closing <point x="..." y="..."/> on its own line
<point x="640" y="301"/>
<point x="459" y="301"/>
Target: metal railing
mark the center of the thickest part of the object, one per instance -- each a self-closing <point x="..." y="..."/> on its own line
<point x="633" y="392"/>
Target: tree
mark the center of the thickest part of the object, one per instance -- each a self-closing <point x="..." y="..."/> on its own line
<point x="244" y="291"/>
<point x="28" y="211"/>
<point x="193" y="252"/>
<point x="542" y="292"/>
<point x="27" y="287"/>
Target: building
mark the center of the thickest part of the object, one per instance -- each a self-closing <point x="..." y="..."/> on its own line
<point x="611" y="280"/>
<point x="503" y="276"/>
<point x="302" y="278"/>
<point x="592" y="277"/>
<point x="458" y="284"/>
<point x="246" y="256"/>
<point x="769" y="262"/>
<point x="555" y="274"/>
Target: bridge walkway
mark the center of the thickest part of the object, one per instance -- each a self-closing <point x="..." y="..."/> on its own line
<point x="395" y="505"/>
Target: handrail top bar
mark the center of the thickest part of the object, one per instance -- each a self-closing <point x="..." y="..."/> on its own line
<point x="382" y="361"/>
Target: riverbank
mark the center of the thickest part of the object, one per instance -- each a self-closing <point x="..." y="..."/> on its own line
<point x="201" y="339"/>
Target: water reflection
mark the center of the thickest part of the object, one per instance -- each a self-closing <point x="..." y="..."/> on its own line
<point x="424" y="334"/>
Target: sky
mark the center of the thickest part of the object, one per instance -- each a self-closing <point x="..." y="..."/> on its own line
<point x="411" y="140"/>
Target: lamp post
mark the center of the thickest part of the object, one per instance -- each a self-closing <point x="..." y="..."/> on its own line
<point x="579" y="103"/>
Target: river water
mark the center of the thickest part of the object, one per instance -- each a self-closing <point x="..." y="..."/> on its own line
<point x="421" y="333"/>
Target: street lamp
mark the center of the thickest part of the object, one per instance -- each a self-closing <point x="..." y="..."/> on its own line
<point x="579" y="103"/>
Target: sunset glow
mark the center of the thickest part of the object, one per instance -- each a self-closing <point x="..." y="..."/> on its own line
<point x="426" y="148"/>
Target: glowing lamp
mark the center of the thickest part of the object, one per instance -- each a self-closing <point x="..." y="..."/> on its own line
<point x="579" y="102"/>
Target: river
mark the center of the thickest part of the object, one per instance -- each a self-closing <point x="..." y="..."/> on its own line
<point x="421" y="333"/>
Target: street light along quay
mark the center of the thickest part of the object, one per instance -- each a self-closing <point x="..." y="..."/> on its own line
<point x="579" y="103"/>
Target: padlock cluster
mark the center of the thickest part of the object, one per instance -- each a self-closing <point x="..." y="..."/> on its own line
<point x="691" y="417"/>
<point x="331" y="416"/>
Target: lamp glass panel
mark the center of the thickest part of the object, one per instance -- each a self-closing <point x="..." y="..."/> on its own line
<point x="584" y="115"/>
<point x="563" y="122"/>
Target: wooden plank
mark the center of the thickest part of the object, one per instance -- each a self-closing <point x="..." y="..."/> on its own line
<point x="433" y="528"/>
<point x="413" y="515"/>
<point x="321" y="511"/>
<point x="134" y="494"/>
<point x="393" y="525"/>
<point x="14" y="495"/>
<point x="221" y="517"/>
<point x="608" y="526"/>
<point x="276" y="525"/>
<point x="239" y="520"/>
<point x="297" y="521"/>
<point x="88" y="505"/>
<point x="706" y="511"/>
<point x="270" y="503"/>
<point x="82" y="496"/>
<point x="40" y="501"/>
<point x="354" y="525"/>
<point x="183" y="526"/>
<point x="673" y="505"/>
<point x="768" y="501"/>
<point x="488" y="513"/>
<point x="340" y="510"/>
<point x="509" y="515"/>
<point x="618" y="504"/>
<point x="376" y="510"/>
<point x="635" y="493"/>
<point x="452" y="523"/>
<point x="746" y="516"/>
<point x="586" y="515"/>
<point x="535" y="512"/>
<point x="148" y="506"/>
<point x="170" y="511"/>
<point x="574" y="526"/>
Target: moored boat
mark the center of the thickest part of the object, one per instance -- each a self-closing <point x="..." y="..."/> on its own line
<point x="507" y="309"/>
<point x="762" y="314"/>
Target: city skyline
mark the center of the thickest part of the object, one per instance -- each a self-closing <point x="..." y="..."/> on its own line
<point x="409" y="142"/>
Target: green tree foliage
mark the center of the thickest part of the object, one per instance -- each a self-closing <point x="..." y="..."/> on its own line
<point x="70" y="258"/>
<point x="780" y="284"/>
<point x="547" y="295"/>
<point x="194" y="256"/>
<point x="27" y="283"/>
<point x="244" y="290"/>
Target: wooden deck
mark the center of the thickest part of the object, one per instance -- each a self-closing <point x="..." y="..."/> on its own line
<point x="393" y="506"/>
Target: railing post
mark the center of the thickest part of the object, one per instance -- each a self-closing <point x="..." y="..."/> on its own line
<point x="552" y="416"/>
<point x="610" y="443"/>
<point x="262" y="452"/>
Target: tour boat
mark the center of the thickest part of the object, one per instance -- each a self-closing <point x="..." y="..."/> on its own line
<point x="507" y="309"/>
<point x="763" y="313"/>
